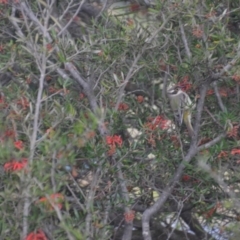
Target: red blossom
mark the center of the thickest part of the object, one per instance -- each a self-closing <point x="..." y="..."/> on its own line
<point x="175" y="141"/>
<point x="162" y="65"/>
<point x="140" y="99"/>
<point x="204" y="141"/>
<point x="10" y="133"/>
<point x="129" y="216"/>
<point x="186" y="178"/>
<point x="55" y="199"/>
<point x="14" y="165"/>
<point x="134" y="7"/>
<point x="28" y="80"/>
<point x="222" y="154"/>
<point x="156" y="122"/>
<point x="113" y="140"/>
<point x="38" y="235"/>
<point x="152" y="141"/>
<point x="19" y="145"/>
<point x="49" y="46"/>
<point x="3" y="104"/>
<point x="111" y="151"/>
<point x="211" y="211"/>
<point x="1" y="100"/>
<point x="123" y="106"/>
<point x="211" y="14"/>
<point x="223" y="92"/>
<point x="52" y="89"/>
<point x="197" y="31"/>
<point x="233" y="132"/>
<point x="236" y="77"/>
<point x="81" y="96"/>
<point x="1" y="48"/>
<point x="184" y="84"/>
<point x="23" y="102"/>
<point x="235" y="151"/>
<point x="3" y="1"/>
<point x="210" y="92"/>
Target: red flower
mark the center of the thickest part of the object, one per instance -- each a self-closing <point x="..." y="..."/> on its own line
<point x="81" y="96"/>
<point x="184" y="84"/>
<point x="140" y="99"/>
<point x="162" y="65"/>
<point x="113" y="140"/>
<point x="197" y="31"/>
<point x="23" y="102"/>
<point x="210" y="92"/>
<point x="233" y="132"/>
<point x="134" y="7"/>
<point x="158" y="121"/>
<point x="1" y="48"/>
<point x="112" y="150"/>
<point x="212" y="210"/>
<point x="236" y="77"/>
<point x="10" y="134"/>
<point x="3" y="104"/>
<point x="49" y="47"/>
<point x="18" y="145"/>
<point x="4" y="1"/>
<point x="129" y="216"/>
<point x="210" y="14"/>
<point x="175" y="141"/>
<point x="39" y="235"/>
<point x="235" y="151"/>
<point x="186" y="178"/>
<point x="222" y="154"/>
<point x="55" y="199"/>
<point x="123" y="106"/>
<point x="15" y="165"/>
<point x="223" y="92"/>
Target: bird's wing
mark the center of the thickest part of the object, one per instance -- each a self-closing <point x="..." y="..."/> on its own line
<point x="186" y="101"/>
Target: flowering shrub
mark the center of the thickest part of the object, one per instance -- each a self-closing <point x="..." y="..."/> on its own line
<point x="64" y="68"/>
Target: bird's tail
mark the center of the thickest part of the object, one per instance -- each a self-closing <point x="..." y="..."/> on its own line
<point x="187" y="118"/>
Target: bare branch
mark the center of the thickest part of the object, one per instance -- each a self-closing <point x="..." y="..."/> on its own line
<point x="184" y="39"/>
<point x="220" y="103"/>
<point x="90" y="200"/>
<point x="127" y="235"/>
<point x="212" y="142"/>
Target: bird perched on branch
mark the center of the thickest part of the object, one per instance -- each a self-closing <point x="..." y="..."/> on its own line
<point x="182" y="107"/>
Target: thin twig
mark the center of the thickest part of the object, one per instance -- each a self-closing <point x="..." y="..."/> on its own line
<point x="71" y="19"/>
<point x="184" y="39"/>
<point x="213" y="118"/>
<point x="212" y="142"/>
<point x="220" y="103"/>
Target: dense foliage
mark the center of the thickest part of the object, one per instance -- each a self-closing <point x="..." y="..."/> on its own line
<point x="89" y="148"/>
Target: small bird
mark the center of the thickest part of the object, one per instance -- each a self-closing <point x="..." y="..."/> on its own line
<point x="182" y="107"/>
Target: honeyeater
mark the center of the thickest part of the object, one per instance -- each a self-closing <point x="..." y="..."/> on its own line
<point x="182" y="107"/>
